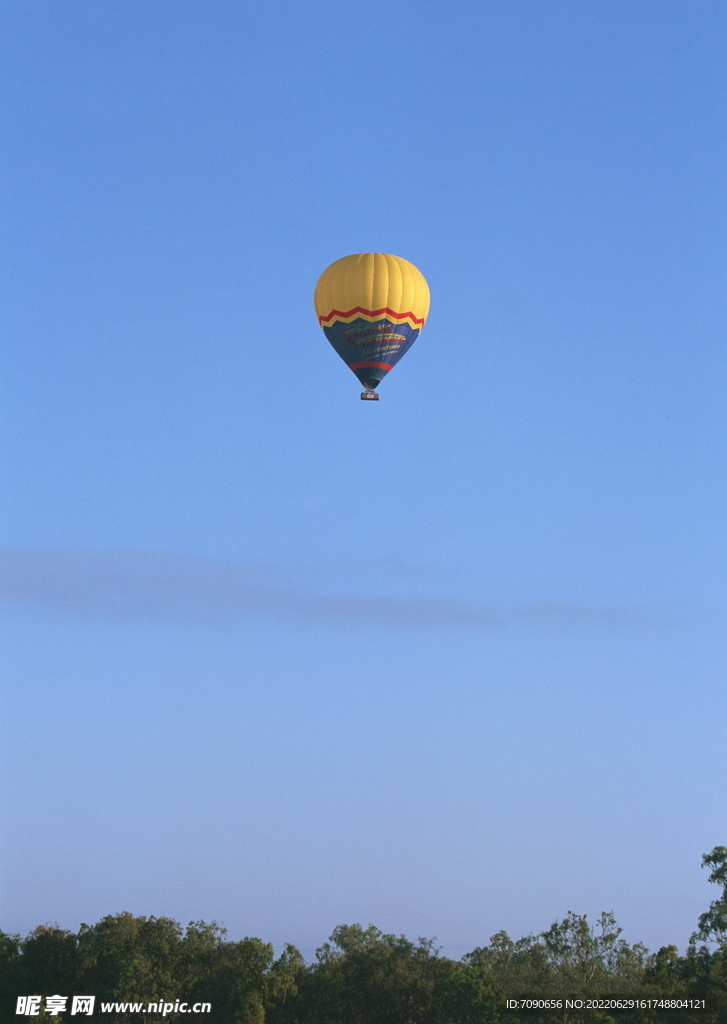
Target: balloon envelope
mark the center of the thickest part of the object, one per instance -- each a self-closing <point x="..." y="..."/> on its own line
<point x="371" y="307"/>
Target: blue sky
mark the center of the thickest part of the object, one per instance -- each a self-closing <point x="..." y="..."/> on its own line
<point x="448" y="663"/>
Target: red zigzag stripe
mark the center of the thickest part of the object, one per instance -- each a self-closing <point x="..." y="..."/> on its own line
<point x="371" y="312"/>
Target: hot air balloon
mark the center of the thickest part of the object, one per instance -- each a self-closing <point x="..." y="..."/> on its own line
<point x="371" y="307"/>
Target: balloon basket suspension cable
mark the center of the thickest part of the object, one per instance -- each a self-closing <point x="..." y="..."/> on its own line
<point x="369" y="396"/>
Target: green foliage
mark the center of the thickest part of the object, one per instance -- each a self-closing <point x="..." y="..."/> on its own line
<point x="572" y="959"/>
<point x="705" y="967"/>
<point x="49" y="960"/>
<point x="282" y="982"/>
<point x="713" y="923"/>
<point x="364" y="976"/>
<point x="10" y="967"/>
<point x="238" y="981"/>
<point x="130" y="958"/>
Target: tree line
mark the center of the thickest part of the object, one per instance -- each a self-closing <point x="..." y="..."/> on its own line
<point x="576" y="972"/>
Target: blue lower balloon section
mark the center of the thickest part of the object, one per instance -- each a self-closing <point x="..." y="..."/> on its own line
<point x="369" y="349"/>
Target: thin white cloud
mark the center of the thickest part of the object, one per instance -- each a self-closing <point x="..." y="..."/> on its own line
<point x="141" y="585"/>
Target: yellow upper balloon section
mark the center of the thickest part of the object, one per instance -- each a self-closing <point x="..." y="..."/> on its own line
<point x="370" y="286"/>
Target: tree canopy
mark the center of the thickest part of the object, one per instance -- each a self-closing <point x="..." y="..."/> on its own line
<point x="364" y="976"/>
